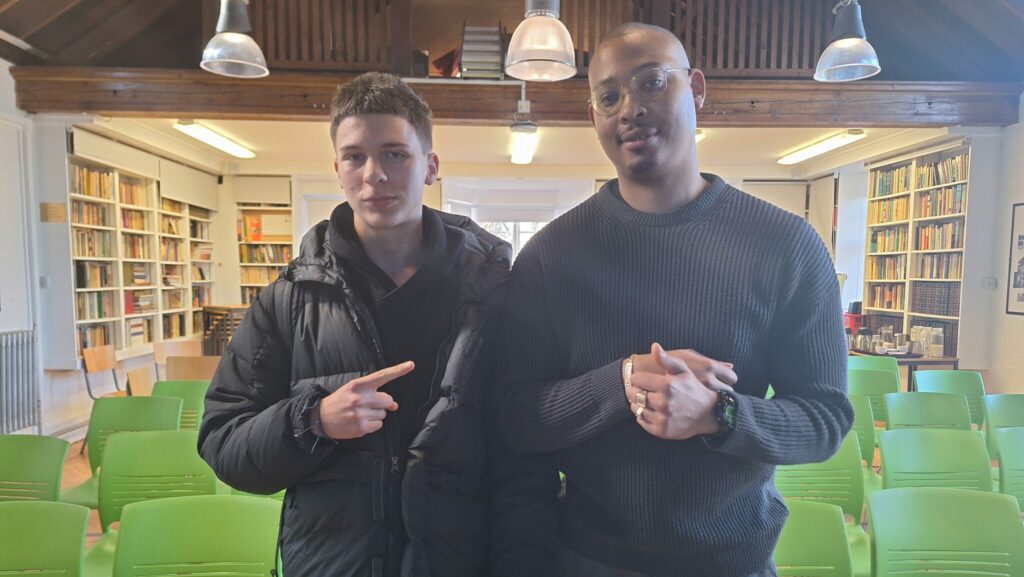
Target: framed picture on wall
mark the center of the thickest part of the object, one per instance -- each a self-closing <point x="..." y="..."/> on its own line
<point x="1015" y="280"/>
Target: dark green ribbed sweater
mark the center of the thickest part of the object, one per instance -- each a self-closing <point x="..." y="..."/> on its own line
<point x="728" y="275"/>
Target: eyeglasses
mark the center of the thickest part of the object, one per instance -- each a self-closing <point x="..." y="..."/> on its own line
<point x="646" y="86"/>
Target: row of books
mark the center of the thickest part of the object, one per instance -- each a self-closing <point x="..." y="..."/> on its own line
<point x="172" y="205"/>
<point x="174" y="299"/>
<point x="886" y="296"/>
<point x="893" y="181"/>
<point x="135" y="246"/>
<point x="95" y="305"/>
<point x="887" y="267"/>
<point x="137" y="274"/>
<point x="170" y="250"/>
<point x="95" y="336"/>
<point x="936" y="298"/>
<point x="198" y="273"/>
<point x="257" y="227"/>
<point x="90" y="182"/>
<point x="172" y="279"/>
<point x="94" y="275"/>
<point x="942" y="201"/>
<point x="90" y="213"/>
<point x="200" y="296"/>
<point x="249" y="293"/>
<point x="169" y="225"/>
<point x="92" y="243"/>
<point x="174" y="326"/>
<point x="889" y="240"/>
<point x="251" y="275"/>
<point x="202" y="252"/>
<point x="265" y="254"/>
<point x="140" y="331"/>
<point x="198" y="229"/>
<point x="941" y="266"/>
<point x="946" y="235"/>
<point x="132" y="192"/>
<point x="945" y="171"/>
<point x="889" y="210"/>
<point x="138" y="302"/>
<point x="133" y="219"/>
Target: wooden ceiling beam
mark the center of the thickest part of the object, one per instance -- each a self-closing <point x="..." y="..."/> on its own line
<point x="295" y="96"/>
<point x="121" y="27"/>
<point x="1000" y="23"/>
<point x="12" y="53"/>
<point x="6" y="5"/>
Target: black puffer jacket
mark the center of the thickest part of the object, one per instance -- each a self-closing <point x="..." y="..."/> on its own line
<point x="307" y="334"/>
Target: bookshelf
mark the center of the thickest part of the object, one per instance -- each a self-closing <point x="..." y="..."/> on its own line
<point x="200" y="253"/>
<point x="107" y="262"/>
<point x="264" y="245"/>
<point x="915" y="241"/>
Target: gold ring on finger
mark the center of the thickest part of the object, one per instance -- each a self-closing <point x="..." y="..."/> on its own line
<point x="641" y="399"/>
<point x="639" y="413"/>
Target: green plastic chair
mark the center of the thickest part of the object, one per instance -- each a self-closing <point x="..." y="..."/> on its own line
<point x="838" y="481"/>
<point x="934" y="458"/>
<point x="1011" y="463"/>
<point x="31" y="467"/>
<point x="204" y="535"/>
<point x="142" y="466"/>
<point x="116" y="414"/>
<point x="813" y="542"/>
<point x="864" y="427"/>
<point x="1001" y="411"/>
<point x="192" y="395"/>
<point x="870" y="363"/>
<point x="928" y="410"/>
<point x="966" y="383"/>
<point x="950" y="532"/>
<point x="42" y="538"/>
<point x="874" y="385"/>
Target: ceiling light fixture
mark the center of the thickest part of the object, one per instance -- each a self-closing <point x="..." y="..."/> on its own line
<point x="848" y="56"/>
<point x="822" y="146"/>
<point x="699" y="135"/>
<point x="232" y="52"/>
<point x="541" y="47"/>
<point x="524" y="142"/>
<point x="214" y="139"/>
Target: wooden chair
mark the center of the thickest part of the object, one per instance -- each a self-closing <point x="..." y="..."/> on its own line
<point x="99" y="359"/>
<point x="192" y="368"/>
<point x="164" y="349"/>
<point x="141" y="381"/>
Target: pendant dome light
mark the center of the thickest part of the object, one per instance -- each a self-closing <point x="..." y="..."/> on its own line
<point x="232" y="52"/>
<point x="848" y="56"/>
<point x="541" y="47"/>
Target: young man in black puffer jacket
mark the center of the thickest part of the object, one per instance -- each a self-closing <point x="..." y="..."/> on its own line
<point x="356" y="379"/>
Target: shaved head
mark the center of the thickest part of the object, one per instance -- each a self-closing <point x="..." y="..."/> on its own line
<point x="636" y="33"/>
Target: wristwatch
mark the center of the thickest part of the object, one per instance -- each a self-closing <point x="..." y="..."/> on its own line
<point x="725" y="416"/>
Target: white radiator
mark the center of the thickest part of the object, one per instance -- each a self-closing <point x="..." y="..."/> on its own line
<point x="19" y="394"/>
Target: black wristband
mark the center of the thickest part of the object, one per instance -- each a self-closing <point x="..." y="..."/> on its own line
<point x="725" y="416"/>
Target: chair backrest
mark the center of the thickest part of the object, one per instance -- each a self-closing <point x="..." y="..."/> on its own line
<point x="1002" y="411"/>
<point x="871" y="363"/>
<point x="31" y="467"/>
<point x="926" y="531"/>
<point x="813" y="542"/>
<point x="213" y="534"/>
<point x="934" y="458"/>
<point x="1011" y="462"/>
<point x="966" y="383"/>
<point x="873" y="384"/>
<point x="120" y="414"/>
<point x="837" y="481"/>
<point x="164" y="349"/>
<point x="151" y="465"/>
<point x="864" y="426"/>
<point x="191" y="368"/>
<point x="928" y="410"/>
<point x="192" y="395"/>
<point x="42" y="538"/>
<point x="141" y="381"/>
<point x="98" y="359"/>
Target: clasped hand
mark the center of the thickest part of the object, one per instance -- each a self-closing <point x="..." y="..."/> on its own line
<point x="673" y="393"/>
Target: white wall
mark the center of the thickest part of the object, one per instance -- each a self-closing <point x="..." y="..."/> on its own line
<point x="853" y="206"/>
<point x="15" y="292"/>
<point x="1006" y="373"/>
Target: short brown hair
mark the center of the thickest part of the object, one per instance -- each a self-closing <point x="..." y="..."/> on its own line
<point x="380" y="93"/>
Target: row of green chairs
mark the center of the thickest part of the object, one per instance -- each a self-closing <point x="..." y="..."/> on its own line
<point x="189" y="535"/>
<point x="915" y="531"/>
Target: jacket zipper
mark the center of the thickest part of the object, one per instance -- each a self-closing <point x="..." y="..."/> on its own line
<point x="435" y="380"/>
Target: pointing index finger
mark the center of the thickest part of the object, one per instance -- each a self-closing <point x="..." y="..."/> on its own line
<point x="386" y="375"/>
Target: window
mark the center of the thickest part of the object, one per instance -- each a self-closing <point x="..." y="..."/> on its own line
<point x="515" y="233"/>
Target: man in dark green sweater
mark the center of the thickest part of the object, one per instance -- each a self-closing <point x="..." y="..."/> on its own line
<point x="668" y="454"/>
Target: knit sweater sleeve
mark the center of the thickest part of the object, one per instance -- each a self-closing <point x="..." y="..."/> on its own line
<point x="539" y="407"/>
<point x="810" y="413"/>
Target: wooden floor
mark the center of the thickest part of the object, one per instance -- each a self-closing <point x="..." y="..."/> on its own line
<point x="76" y="470"/>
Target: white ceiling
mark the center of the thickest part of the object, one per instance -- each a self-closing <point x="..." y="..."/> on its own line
<point x="281" y="141"/>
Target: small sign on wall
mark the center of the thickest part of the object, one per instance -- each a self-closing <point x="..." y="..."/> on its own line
<point x="1015" y="282"/>
<point x="53" y="212"/>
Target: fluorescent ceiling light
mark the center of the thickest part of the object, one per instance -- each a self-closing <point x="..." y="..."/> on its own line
<point x="699" y="135"/>
<point x="214" y="139"/>
<point x="524" y="142"/>
<point x="822" y="146"/>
